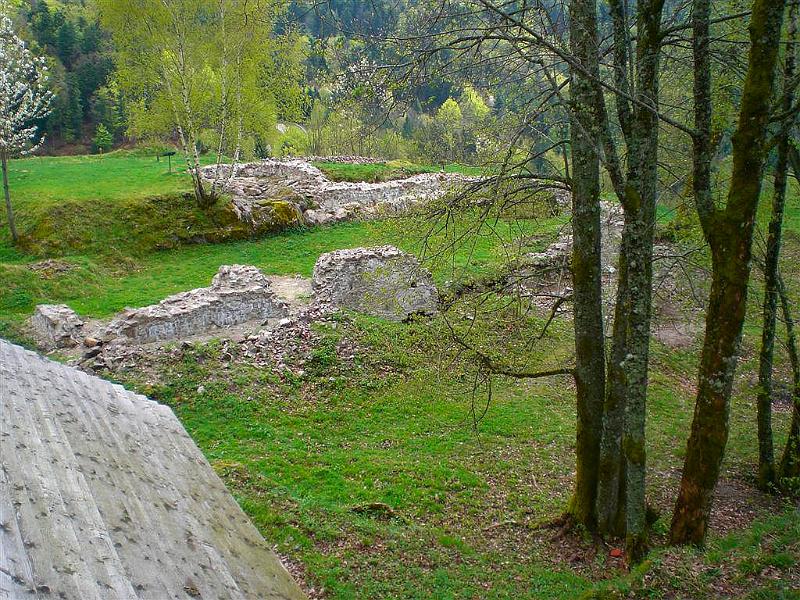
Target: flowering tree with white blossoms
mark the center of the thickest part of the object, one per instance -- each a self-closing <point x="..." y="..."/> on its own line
<point x="23" y="100"/>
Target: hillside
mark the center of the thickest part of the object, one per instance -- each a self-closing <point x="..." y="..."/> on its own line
<point x="359" y="515"/>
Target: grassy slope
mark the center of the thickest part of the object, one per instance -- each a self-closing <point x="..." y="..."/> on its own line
<point x="105" y="215"/>
<point x="106" y="178"/>
<point x="300" y="452"/>
<point x="97" y="286"/>
<point x="126" y="203"/>
<point x="119" y="203"/>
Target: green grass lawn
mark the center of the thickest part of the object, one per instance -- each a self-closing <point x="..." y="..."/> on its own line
<point x="126" y="203"/>
<point x="99" y="286"/>
<point x="42" y="181"/>
<point x="394" y="426"/>
<point x="125" y="232"/>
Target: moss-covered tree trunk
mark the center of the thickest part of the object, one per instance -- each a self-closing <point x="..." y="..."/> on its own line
<point x="730" y="235"/>
<point x="621" y="495"/>
<point x="586" y="265"/>
<point x="641" y="204"/>
<point x="789" y="468"/>
<point x="766" y="452"/>
<point x="611" y="484"/>
<point x="12" y="225"/>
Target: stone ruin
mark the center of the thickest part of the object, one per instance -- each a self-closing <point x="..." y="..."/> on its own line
<point x="238" y="294"/>
<point x="546" y="276"/>
<point x="383" y="282"/>
<point x="559" y="253"/>
<point x="303" y="194"/>
<point x="56" y="326"/>
<point x="346" y="160"/>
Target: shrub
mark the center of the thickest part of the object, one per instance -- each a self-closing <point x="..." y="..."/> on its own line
<point x="103" y="140"/>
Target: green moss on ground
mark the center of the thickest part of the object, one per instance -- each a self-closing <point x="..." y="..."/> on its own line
<point x="128" y="227"/>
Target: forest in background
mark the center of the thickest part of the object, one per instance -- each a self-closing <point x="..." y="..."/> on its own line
<point x="329" y="98"/>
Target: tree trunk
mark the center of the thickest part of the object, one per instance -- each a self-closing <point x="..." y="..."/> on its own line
<point x="730" y="240"/>
<point x="766" y="452"/>
<point x="790" y="463"/>
<point x="611" y="485"/>
<point x="621" y="498"/>
<point x="12" y="225"/>
<point x="586" y="266"/>
<point x="641" y="203"/>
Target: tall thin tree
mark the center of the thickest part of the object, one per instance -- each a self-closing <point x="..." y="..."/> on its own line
<point x="586" y="111"/>
<point x="729" y="233"/>
<point x="766" y="451"/>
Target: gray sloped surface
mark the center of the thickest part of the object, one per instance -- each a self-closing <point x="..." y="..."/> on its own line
<point x="103" y="495"/>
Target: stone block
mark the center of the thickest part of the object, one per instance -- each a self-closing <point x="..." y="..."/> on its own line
<point x="384" y="282"/>
<point x="238" y="294"/>
<point x="56" y="326"/>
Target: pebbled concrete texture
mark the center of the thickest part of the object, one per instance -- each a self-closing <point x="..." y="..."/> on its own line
<point x="104" y="496"/>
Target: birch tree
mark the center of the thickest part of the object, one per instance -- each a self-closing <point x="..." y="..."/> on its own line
<point x="24" y="100"/>
<point x="194" y="67"/>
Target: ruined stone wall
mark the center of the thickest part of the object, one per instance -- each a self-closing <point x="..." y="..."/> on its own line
<point x="319" y="200"/>
<point x="238" y="294"/>
<point x="346" y="160"/>
<point x="383" y="282"/>
<point x="56" y="326"/>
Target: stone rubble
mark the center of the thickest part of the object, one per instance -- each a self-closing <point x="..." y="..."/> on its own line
<point x="346" y="160"/>
<point x="56" y="326"/>
<point x="315" y="199"/>
<point x="238" y="294"/>
<point x="383" y="282"/>
<point x="545" y="277"/>
<point x="559" y="253"/>
<point x="285" y="347"/>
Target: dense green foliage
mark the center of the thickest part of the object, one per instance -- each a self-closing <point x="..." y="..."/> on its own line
<point x="313" y="64"/>
<point x="81" y="65"/>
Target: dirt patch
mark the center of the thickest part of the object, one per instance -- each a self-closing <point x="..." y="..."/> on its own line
<point x="295" y="290"/>
<point x="51" y="267"/>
